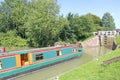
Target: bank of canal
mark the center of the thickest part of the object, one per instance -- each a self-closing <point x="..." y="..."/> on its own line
<point x="52" y="71"/>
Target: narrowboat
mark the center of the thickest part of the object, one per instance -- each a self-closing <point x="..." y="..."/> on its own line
<point x="20" y="62"/>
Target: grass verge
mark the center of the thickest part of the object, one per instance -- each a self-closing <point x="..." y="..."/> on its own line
<point x="87" y="39"/>
<point x="95" y="71"/>
<point x="118" y="39"/>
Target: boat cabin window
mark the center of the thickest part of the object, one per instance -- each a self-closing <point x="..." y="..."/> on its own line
<point x="39" y="57"/>
<point x="0" y="64"/>
<point x="79" y="50"/>
<point x="74" y="50"/>
<point x="59" y="53"/>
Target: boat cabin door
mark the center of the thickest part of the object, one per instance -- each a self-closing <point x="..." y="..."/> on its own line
<point x="24" y="59"/>
<point x="0" y="64"/>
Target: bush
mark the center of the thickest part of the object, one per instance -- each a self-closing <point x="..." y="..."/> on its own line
<point x="10" y="40"/>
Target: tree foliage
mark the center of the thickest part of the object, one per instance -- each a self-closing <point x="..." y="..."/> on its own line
<point x="37" y="23"/>
<point x="11" y="40"/>
<point x="97" y="22"/>
<point x="13" y="12"/>
<point x="108" y="22"/>
<point x="42" y="25"/>
<point x="80" y="27"/>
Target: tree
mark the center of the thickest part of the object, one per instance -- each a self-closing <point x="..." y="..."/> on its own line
<point x="80" y="27"/>
<point x="42" y="25"/>
<point x="83" y="26"/>
<point x="87" y="26"/>
<point x="13" y="16"/>
<point x="97" y="22"/>
<point x="108" y="22"/>
<point x="38" y="23"/>
<point x="70" y="30"/>
<point x="34" y="20"/>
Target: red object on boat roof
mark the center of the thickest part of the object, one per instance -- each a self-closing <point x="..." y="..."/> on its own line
<point x="2" y="49"/>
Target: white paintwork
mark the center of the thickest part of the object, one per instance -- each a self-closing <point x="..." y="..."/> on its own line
<point x="60" y="53"/>
<point x="107" y="33"/>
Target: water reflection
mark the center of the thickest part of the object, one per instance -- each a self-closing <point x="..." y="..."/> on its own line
<point x="97" y="51"/>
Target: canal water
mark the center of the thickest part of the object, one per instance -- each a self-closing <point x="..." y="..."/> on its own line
<point x="58" y="69"/>
<point x="97" y="51"/>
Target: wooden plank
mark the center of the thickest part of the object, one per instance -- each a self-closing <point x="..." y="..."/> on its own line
<point x="30" y="58"/>
<point x="18" y="60"/>
<point x="111" y="60"/>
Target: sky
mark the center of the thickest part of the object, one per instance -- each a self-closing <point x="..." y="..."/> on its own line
<point x="96" y="7"/>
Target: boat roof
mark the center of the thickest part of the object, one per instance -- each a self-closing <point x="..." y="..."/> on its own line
<point x="6" y="55"/>
<point x="44" y="49"/>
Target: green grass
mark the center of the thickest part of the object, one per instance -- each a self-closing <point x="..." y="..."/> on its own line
<point x="95" y="71"/>
<point x="87" y="39"/>
<point x="118" y="39"/>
